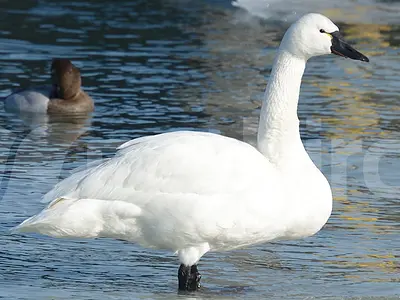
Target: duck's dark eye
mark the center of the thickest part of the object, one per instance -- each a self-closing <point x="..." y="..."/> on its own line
<point x="322" y="31"/>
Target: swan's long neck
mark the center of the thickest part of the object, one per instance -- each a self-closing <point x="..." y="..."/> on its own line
<point x="278" y="132"/>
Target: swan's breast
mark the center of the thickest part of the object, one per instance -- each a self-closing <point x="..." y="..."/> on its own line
<point x="310" y="204"/>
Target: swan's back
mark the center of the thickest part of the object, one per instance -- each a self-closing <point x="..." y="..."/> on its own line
<point x="171" y="163"/>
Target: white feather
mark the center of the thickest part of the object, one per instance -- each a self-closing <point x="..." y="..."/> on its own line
<point x="181" y="190"/>
<point x="29" y="100"/>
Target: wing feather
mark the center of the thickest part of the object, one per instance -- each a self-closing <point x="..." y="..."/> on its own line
<point x="171" y="163"/>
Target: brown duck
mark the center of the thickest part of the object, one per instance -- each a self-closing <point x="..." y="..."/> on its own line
<point x="65" y="96"/>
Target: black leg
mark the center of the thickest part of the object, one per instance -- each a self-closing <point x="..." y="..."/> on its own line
<point x="188" y="278"/>
<point x="183" y="277"/>
<point x="194" y="282"/>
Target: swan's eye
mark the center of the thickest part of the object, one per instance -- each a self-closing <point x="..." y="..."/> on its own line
<point x="322" y="31"/>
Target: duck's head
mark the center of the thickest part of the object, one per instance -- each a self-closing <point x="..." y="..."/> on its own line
<point x="66" y="79"/>
<point x="313" y="35"/>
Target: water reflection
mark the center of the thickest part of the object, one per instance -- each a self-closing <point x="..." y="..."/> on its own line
<point x="54" y="129"/>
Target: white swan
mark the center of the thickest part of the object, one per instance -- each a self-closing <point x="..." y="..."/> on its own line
<point x="194" y="192"/>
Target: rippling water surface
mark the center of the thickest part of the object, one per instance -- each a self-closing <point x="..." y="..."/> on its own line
<point x="156" y="66"/>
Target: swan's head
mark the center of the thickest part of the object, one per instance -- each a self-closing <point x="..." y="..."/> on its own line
<point x="313" y="35"/>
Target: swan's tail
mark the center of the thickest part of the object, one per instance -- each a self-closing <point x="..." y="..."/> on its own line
<point x="83" y="218"/>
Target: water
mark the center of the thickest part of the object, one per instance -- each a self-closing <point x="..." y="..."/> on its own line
<point x="155" y="66"/>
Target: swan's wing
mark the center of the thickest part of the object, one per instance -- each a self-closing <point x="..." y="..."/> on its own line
<point x="170" y="191"/>
<point x="174" y="163"/>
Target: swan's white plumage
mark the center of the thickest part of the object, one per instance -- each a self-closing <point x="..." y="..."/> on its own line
<point x="171" y="162"/>
<point x="176" y="191"/>
<point x="192" y="192"/>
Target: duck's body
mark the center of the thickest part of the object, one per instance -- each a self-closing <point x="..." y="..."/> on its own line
<point x="81" y="103"/>
<point x="64" y="96"/>
<point x="34" y="100"/>
<point x="194" y="192"/>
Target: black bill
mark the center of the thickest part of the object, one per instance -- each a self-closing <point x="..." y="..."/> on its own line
<point x="341" y="48"/>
